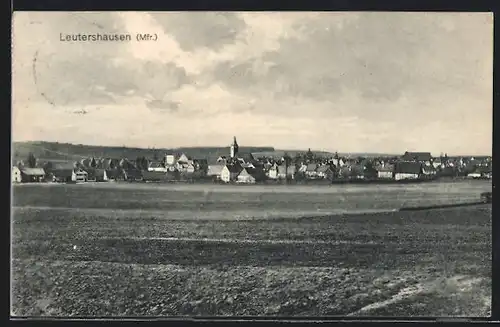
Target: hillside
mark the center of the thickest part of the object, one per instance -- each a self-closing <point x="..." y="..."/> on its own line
<point x="55" y="151"/>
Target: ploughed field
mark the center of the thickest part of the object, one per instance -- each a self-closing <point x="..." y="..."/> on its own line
<point x="116" y="249"/>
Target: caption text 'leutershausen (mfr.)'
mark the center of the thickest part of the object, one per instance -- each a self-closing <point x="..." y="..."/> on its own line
<point x="104" y="37"/>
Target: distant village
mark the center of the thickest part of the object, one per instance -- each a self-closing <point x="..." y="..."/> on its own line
<point x="251" y="168"/>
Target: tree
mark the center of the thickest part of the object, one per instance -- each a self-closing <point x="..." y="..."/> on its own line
<point x="288" y="161"/>
<point x="93" y="163"/>
<point x="31" y="160"/>
<point x="155" y="155"/>
<point x="48" y="165"/>
<point x="144" y="163"/>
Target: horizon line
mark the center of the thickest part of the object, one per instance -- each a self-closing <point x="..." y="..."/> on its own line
<point x="246" y="146"/>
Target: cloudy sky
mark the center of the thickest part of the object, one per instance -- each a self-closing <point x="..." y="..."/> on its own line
<point x="351" y="82"/>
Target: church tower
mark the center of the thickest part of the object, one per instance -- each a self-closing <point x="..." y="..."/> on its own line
<point x="234" y="147"/>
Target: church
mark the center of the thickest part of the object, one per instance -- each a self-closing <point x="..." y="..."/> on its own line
<point x="235" y="157"/>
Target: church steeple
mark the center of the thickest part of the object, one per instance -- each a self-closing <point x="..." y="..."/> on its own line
<point x="234" y="147"/>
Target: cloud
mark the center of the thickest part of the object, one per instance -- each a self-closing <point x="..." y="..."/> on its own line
<point x="344" y="81"/>
<point x="201" y="29"/>
<point x="163" y="105"/>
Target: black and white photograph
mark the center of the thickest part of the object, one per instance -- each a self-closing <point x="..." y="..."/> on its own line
<point x="265" y="164"/>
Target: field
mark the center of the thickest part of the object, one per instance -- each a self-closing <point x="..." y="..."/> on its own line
<point x="208" y="250"/>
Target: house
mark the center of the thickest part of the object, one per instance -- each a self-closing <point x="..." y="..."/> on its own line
<point x="132" y="174"/>
<point x="302" y="168"/>
<point x="248" y="165"/>
<point x="29" y="175"/>
<point x="115" y="163"/>
<point x="310" y="171"/>
<point x="215" y="171"/>
<point x="421" y="157"/>
<point x="344" y="172"/>
<point x="272" y="171"/>
<point x="116" y="174"/>
<point x="245" y="177"/>
<point x="357" y="171"/>
<point x="284" y="172"/>
<point x="16" y="175"/>
<point x="86" y="162"/>
<point x="106" y="163"/>
<point x="474" y="174"/>
<point x="222" y="160"/>
<point x="385" y="171"/>
<point x="156" y="166"/>
<point x="184" y="159"/>
<point x="66" y="175"/>
<point x="258" y="173"/>
<point x="230" y="172"/>
<point x="428" y="171"/>
<point x="246" y="157"/>
<point x="407" y="170"/>
<point x="200" y="164"/>
<point x="185" y="167"/>
<point x="325" y="171"/>
<point x="170" y="159"/>
<point x="480" y="172"/>
<point x="437" y="163"/>
<point x="171" y="168"/>
<point x="97" y="175"/>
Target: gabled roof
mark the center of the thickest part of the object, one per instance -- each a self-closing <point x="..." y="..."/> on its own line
<point x="155" y="164"/>
<point x="311" y="167"/>
<point x="483" y="169"/>
<point x="387" y="168"/>
<point x="323" y="169"/>
<point x="67" y="165"/>
<point x="417" y="156"/>
<point x="96" y="173"/>
<point x="33" y="171"/>
<point x="113" y="173"/>
<point x="62" y="172"/>
<point x="245" y="172"/>
<point x="246" y="156"/>
<point x="256" y="173"/>
<point x="86" y="162"/>
<point x="408" y="167"/>
<point x="67" y="172"/>
<point x="133" y="172"/>
<point x="215" y="169"/>
<point x="234" y="169"/>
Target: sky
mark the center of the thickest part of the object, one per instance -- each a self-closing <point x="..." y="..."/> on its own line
<point x="334" y="81"/>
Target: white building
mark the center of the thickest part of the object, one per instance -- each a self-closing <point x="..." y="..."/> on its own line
<point x="245" y="177"/>
<point x="169" y="159"/>
<point x="215" y="171"/>
<point x="229" y="173"/>
<point x="16" y="175"/>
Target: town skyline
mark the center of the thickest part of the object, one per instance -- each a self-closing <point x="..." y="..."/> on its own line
<point x="346" y="82"/>
<point x="247" y="146"/>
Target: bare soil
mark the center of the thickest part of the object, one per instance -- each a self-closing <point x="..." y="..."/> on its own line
<point x="87" y="261"/>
